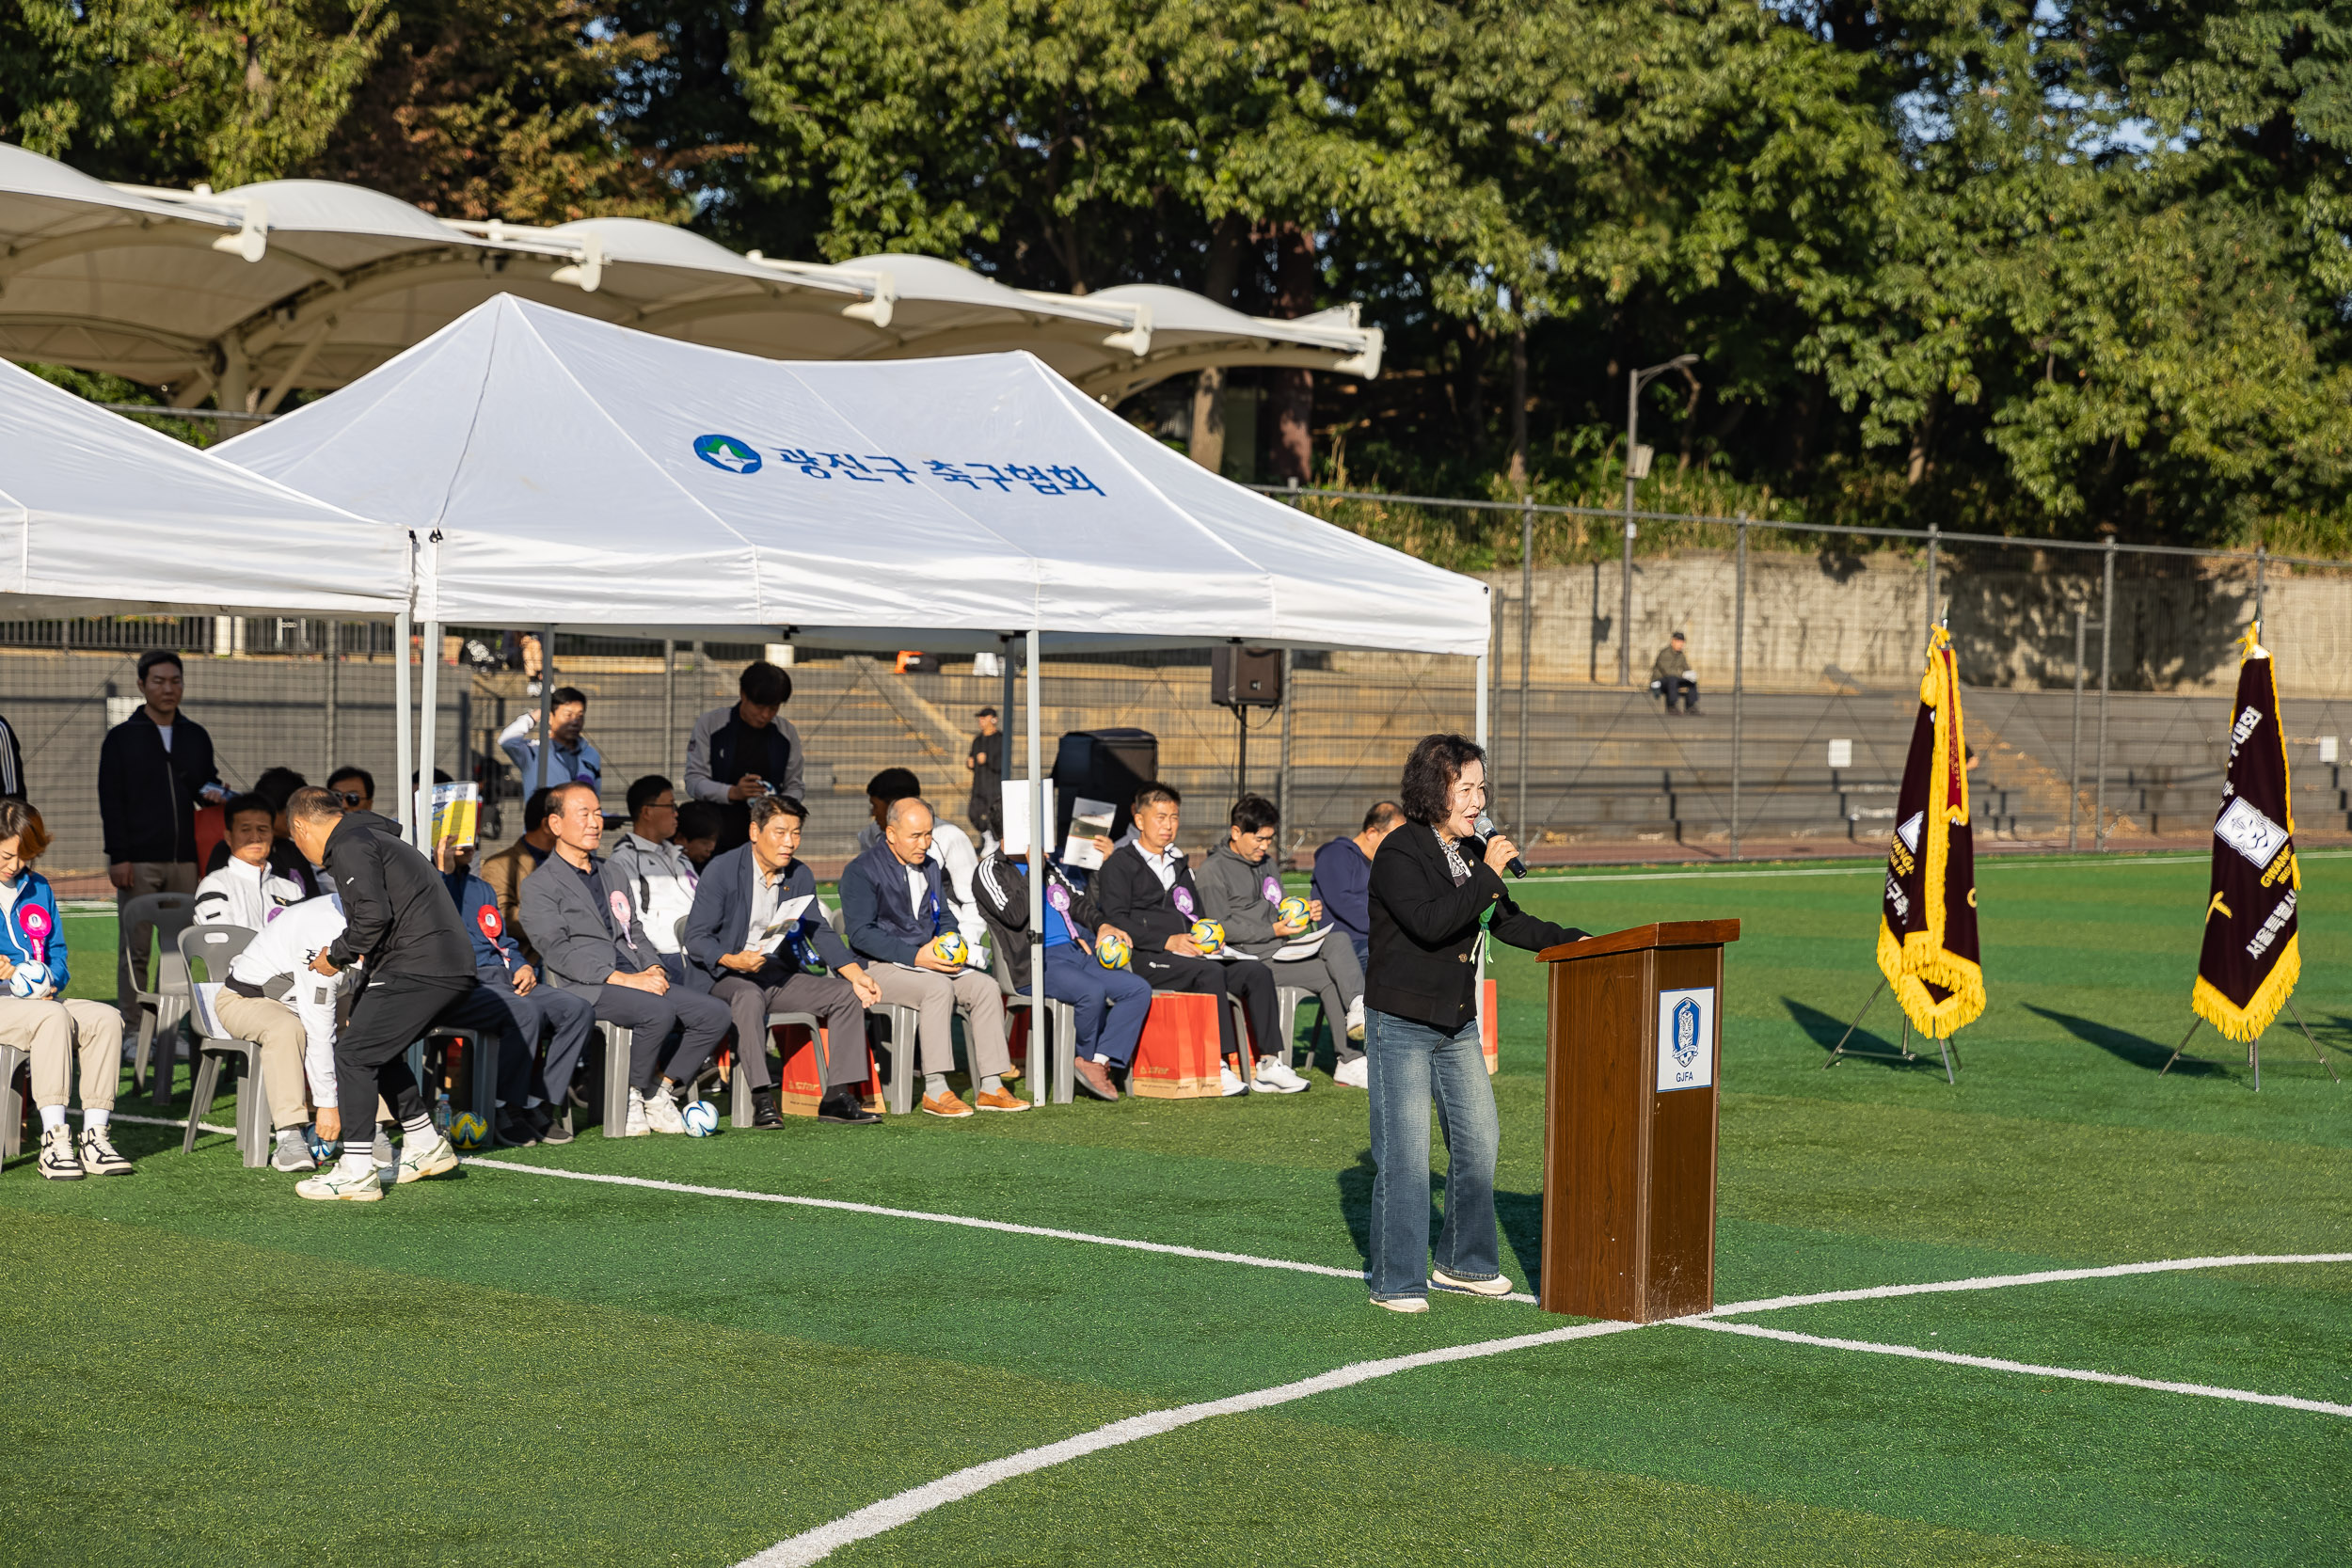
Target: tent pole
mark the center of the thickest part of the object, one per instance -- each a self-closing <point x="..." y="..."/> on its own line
<point x="547" y="708"/>
<point x="669" y="699"/>
<point x="1038" y="828"/>
<point x="1004" y="729"/>
<point x="428" y="733"/>
<point x="404" y="727"/>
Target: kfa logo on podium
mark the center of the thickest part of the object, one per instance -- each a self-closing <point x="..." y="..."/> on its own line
<point x="1686" y="1039"/>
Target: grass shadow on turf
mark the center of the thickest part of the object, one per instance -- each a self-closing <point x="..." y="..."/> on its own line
<point x="2131" y="1050"/>
<point x="1825" y="1030"/>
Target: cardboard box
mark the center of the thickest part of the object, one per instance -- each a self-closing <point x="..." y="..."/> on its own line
<point x="1177" y="1058"/>
<point x="801" y="1085"/>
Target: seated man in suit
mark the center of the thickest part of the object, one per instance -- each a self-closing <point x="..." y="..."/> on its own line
<point x="895" y="906"/>
<point x="806" y="971"/>
<point x="1146" y="888"/>
<point x="590" y="941"/>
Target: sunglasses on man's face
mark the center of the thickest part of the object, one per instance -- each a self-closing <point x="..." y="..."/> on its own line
<point x="350" y="798"/>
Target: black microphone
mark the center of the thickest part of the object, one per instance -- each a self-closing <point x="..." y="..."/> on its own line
<point x="1487" y="829"/>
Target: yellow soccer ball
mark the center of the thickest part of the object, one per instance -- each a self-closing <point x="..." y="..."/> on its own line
<point x="1112" y="953"/>
<point x="469" y="1132"/>
<point x="949" y="948"/>
<point x="1209" y="936"/>
<point x="1291" y="911"/>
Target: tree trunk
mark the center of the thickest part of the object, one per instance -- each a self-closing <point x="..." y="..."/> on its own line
<point x="1208" y="388"/>
<point x="1518" y="413"/>
<point x="1293" y="399"/>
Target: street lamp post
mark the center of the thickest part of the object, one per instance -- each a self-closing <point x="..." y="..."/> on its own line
<point x="1636" y="466"/>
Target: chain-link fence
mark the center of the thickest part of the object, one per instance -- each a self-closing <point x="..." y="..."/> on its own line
<point x="2098" y="695"/>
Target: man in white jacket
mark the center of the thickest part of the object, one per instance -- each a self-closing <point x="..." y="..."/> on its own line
<point x="273" y="998"/>
<point x="245" y="891"/>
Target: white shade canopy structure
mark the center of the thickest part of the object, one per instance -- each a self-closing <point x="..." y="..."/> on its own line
<point x="561" y="470"/>
<point x="244" y="295"/>
<point x="93" y="507"/>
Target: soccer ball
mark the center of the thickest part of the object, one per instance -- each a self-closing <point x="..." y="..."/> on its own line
<point x="469" y="1131"/>
<point x="1111" y="953"/>
<point x="1209" y="936"/>
<point x="950" y="949"/>
<point x="28" y="979"/>
<point x="1292" y="912"/>
<point x="702" y="1118"/>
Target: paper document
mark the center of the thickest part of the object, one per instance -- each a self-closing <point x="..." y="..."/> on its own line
<point x="1016" y="813"/>
<point x="1088" y="821"/>
<point x="456" y="814"/>
<point x="1305" y="946"/>
<point x="787" y="916"/>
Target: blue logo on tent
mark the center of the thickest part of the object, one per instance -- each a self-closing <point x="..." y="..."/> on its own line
<point x="725" y="451"/>
<point x="1686" y="1028"/>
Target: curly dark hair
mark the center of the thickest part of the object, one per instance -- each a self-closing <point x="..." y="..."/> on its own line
<point x="1437" y="760"/>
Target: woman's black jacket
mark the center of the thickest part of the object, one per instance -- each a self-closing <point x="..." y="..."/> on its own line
<point x="1424" y="930"/>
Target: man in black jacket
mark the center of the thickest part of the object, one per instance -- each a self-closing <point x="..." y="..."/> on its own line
<point x="152" y="769"/>
<point x="402" y="923"/>
<point x="1146" y="888"/>
<point x="748" y="749"/>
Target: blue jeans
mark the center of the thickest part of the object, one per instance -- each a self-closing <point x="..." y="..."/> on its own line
<point x="1411" y="1062"/>
<point x="1108" y="1005"/>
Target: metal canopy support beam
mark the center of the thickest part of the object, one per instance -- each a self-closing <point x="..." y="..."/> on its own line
<point x="1040" y="1058"/>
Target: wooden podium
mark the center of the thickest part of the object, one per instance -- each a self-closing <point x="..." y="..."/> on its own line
<point x="1635" y="1038"/>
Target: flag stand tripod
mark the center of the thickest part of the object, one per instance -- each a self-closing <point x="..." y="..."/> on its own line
<point x="2253" y="1058"/>
<point x="1839" y="1053"/>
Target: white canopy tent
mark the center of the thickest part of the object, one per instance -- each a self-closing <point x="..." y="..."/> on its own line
<point x="246" y="294"/>
<point x="563" y="472"/>
<point x="94" y="507"/>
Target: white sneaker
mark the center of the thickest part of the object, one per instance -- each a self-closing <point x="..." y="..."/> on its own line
<point x="1356" y="1019"/>
<point x="437" y="1158"/>
<point x="339" y="1181"/>
<point x="292" y="1152"/>
<point x="1498" y="1285"/>
<point x="636" y="1126"/>
<point x="1229" y="1085"/>
<point x="1352" y="1075"/>
<point x="662" y="1111"/>
<point x="1402" y="1304"/>
<point x="1276" y="1077"/>
<point x="99" y="1155"/>
<point x="60" y="1160"/>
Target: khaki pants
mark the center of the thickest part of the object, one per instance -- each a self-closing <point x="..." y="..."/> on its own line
<point x="53" y="1031"/>
<point x="274" y="1028"/>
<point x="131" y="942"/>
<point x="936" y="999"/>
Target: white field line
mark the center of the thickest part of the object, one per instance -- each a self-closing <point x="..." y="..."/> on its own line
<point x="912" y="1504"/>
<point x="815" y="1544"/>
<point x="166" y="1121"/>
<point x="1996" y="1364"/>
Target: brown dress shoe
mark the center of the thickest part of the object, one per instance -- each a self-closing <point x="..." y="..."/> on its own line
<point x="1095" y="1079"/>
<point x="945" y="1103"/>
<point x="999" y="1099"/>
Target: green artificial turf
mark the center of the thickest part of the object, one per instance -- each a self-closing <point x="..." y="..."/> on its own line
<point x="225" y="1373"/>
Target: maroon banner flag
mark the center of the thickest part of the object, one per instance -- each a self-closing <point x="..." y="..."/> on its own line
<point x="2250" y="959"/>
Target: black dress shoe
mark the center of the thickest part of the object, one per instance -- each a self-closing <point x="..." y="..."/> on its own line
<point x="517" y="1132"/>
<point x="765" y="1116"/>
<point x="842" y="1105"/>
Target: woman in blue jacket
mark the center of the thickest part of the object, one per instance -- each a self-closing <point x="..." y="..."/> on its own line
<point x="37" y="1017"/>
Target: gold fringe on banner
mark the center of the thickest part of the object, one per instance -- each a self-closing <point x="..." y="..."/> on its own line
<point x="1934" y="971"/>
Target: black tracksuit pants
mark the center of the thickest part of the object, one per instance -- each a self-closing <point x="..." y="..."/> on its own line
<point x="1247" y="978"/>
<point x="394" y="1013"/>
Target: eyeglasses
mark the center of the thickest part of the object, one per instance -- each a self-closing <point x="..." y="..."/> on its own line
<point x="350" y="798"/>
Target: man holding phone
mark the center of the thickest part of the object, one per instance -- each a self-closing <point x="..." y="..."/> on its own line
<point x="748" y="749"/>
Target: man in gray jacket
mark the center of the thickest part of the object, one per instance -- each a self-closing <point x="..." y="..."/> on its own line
<point x="591" y="940"/>
<point x="1241" y="887"/>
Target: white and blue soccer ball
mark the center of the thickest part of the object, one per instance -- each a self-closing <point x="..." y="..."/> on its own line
<point x="702" y="1118"/>
<point x="28" y="979"/>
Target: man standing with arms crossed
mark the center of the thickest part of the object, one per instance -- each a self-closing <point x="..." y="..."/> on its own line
<point x="152" y="769"/>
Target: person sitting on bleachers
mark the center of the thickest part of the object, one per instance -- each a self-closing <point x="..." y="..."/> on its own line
<point x="505" y="869"/>
<point x="591" y="942"/>
<point x="1146" y="888"/>
<point x="52" y="1028"/>
<point x="894" y="909"/>
<point x="1108" y="1005"/>
<point x="1670" y="677"/>
<point x="530" y="1097"/>
<point x="1242" y="887"/>
<point x="803" y="968"/>
<point x="959" y="862"/>
<point x="247" y="886"/>
<point x="657" y="875"/>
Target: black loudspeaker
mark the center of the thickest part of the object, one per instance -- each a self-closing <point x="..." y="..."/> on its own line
<point x="1102" y="764"/>
<point x="1245" y="677"/>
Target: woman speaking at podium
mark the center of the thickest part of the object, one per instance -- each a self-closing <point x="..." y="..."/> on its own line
<point x="1432" y="884"/>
